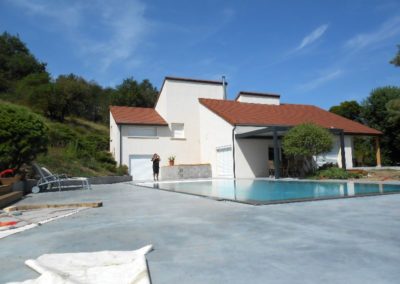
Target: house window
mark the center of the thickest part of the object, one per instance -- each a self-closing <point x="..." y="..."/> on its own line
<point x="145" y="131"/>
<point x="178" y="130"/>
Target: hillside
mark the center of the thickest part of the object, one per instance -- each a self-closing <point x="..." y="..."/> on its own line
<point x="80" y="148"/>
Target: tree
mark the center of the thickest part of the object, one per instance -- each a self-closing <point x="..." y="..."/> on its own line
<point x="35" y="90"/>
<point x="23" y="136"/>
<point x="380" y="111"/>
<point x="131" y="93"/>
<point x="305" y="141"/>
<point x="396" y="60"/>
<point x="16" y="62"/>
<point x="348" y="109"/>
<point x="363" y="152"/>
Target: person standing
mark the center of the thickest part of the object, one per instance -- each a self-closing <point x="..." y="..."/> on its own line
<point x="156" y="165"/>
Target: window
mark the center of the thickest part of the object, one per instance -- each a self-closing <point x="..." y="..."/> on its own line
<point x="178" y="130"/>
<point x="271" y="154"/>
<point x="142" y="131"/>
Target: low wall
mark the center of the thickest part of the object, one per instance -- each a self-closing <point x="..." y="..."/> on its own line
<point x="109" y="179"/>
<point x="185" y="172"/>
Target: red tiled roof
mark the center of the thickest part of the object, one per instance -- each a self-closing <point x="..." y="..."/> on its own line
<point x="238" y="113"/>
<point x="136" y="115"/>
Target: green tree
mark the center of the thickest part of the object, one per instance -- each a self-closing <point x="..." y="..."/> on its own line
<point x="132" y="93"/>
<point x="35" y="90"/>
<point x="23" y="135"/>
<point x="396" y="60"/>
<point x="379" y="111"/>
<point x="16" y="62"/>
<point x="348" y="109"/>
<point x="304" y="141"/>
<point x="363" y="151"/>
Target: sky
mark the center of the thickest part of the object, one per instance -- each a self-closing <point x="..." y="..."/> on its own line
<point x="309" y="52"/>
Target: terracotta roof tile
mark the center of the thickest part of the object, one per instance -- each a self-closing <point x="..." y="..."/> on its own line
<point x="238" y="113"/>
<point x="136" y="115"/>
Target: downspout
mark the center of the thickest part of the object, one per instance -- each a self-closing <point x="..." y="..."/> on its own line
<point x="120" y="144"/>
<point x="233" y="151"/>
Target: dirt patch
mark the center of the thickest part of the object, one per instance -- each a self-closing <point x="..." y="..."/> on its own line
<point x="382" y="175"/>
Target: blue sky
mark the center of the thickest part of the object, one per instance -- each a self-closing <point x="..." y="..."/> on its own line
<point x="311" y="52"/>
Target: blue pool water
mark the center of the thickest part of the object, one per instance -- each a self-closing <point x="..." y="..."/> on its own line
<point x="271" y="191"/>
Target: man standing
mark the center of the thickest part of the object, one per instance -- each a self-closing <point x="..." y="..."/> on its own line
<point x="156" y="166"/>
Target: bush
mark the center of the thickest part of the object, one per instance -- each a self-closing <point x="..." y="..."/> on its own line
<point x="336" y="173"/>
<point x="23" y="136"/>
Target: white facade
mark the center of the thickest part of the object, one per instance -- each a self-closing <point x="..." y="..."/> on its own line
<point x="196" y="135"/>
<point x="259" y="99"/>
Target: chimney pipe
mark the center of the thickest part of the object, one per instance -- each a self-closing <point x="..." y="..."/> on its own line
<point x="224" y="86"/>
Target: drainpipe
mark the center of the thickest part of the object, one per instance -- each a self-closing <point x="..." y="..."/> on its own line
<point x="233" y="151"/>
<point x="120" y="144"/>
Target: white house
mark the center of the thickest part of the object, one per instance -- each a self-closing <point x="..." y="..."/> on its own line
<point x="239" y="138"/>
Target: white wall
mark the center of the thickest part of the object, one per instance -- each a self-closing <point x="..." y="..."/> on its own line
<point x="251" y="157"/>
<point x="214" y="132"/>
<point x="259" y="99"/>
<point x="335" y="156"/>
<point x="161" y="144"/>
<point x="114" y="139"/>
<point x="177" y="103"/>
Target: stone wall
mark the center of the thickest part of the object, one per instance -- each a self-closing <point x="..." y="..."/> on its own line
<point x="185" y="172"/>
<point x="109" y="179"/>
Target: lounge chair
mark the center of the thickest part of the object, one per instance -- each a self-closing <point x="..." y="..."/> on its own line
<point x="48" y="180"/>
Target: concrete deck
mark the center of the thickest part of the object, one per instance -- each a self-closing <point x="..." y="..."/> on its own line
<point x="198" y="240"/>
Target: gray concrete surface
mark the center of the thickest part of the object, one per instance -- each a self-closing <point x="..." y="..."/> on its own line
<point x="197" y="240"/>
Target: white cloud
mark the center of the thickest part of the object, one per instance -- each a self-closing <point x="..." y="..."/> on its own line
<point x="324" y="78"/>
<point x="387" y="30"/>
<point x="104" y="33"/>
<point x="313" y="36"/>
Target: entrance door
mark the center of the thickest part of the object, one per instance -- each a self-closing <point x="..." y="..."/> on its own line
<point x="141" y="167"/>
<point x="224" y="161"/>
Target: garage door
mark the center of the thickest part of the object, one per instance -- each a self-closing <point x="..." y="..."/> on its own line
<point x="224" y="161"/>
<point x="141" y="167"/>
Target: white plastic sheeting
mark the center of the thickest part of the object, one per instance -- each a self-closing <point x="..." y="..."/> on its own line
<point x="92" y="267"/>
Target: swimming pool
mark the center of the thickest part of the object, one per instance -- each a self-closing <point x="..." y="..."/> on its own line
<point x="275" y="191"/>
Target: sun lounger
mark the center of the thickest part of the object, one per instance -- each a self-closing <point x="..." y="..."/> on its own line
<point x="48" y="180"/>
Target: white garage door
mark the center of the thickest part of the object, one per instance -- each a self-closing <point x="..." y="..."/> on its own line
<point x="141" y="167"/>
<point x="224" y="161"/>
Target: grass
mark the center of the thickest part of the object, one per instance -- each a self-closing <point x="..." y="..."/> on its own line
<point x="79" y="148"/>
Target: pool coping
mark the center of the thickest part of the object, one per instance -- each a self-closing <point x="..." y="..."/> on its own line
<point x="258" y="203"/>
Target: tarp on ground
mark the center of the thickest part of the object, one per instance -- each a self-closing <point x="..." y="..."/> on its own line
<point x="92" y="267"/>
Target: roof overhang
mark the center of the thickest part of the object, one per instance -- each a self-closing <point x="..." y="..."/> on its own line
<point x="252" y="131"/>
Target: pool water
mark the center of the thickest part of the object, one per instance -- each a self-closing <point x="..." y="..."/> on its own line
<point x="271" y="191"/>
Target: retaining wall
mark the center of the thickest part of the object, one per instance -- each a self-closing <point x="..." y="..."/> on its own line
<point x="185" y="172"/>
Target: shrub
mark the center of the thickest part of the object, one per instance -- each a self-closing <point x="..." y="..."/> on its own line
<point x="336" y="173"/>
<point x="23" y="136"/>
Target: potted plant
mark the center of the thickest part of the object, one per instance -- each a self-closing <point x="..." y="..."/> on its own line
<point x="171" y="160"/>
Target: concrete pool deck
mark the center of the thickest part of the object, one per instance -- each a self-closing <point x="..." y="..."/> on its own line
<point x="198" y="240"/>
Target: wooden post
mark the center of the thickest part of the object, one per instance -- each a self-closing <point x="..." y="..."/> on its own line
<point x="378" y="152"/>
